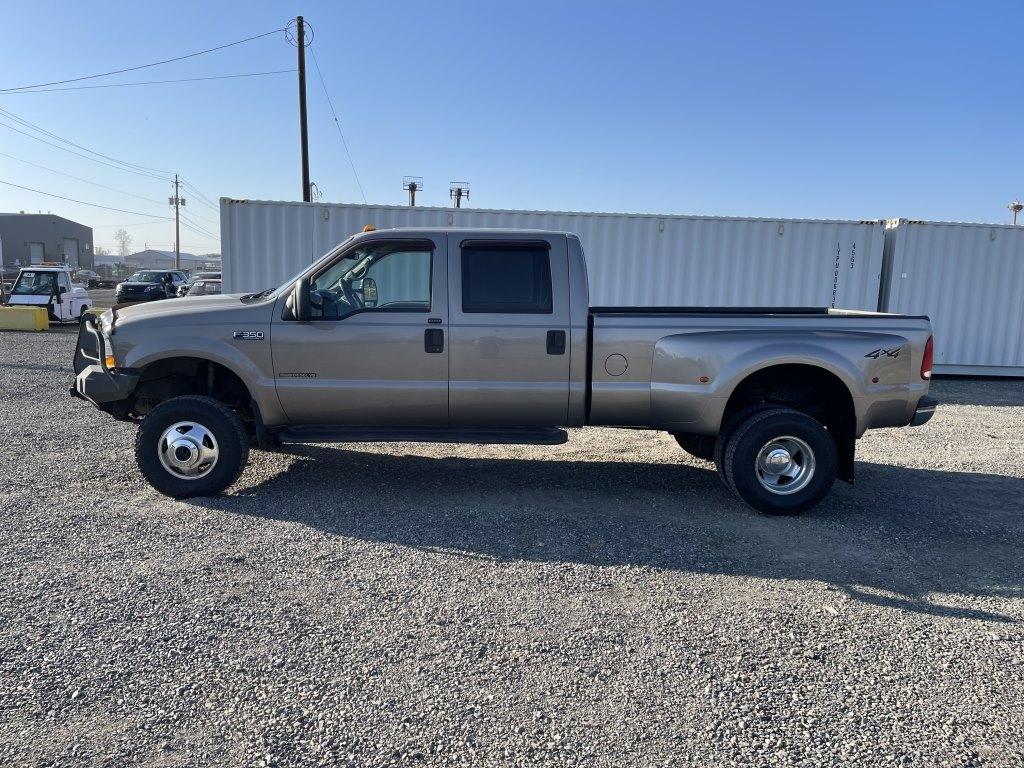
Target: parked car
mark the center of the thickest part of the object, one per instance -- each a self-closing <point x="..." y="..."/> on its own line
<point x="184" y="289"/>
<point x="204" y="288"/>
<point x="86" y="277"/>
<point x="486" y="336"/>
<point x="50" y="287"/>
<point x="149" y="285"/>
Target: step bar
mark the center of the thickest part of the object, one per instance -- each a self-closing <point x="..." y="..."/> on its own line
<point x="466" y="435"/>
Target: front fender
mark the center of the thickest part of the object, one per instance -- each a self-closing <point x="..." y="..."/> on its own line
<point x="252" y="364"/>
<point x="681" y="401"/>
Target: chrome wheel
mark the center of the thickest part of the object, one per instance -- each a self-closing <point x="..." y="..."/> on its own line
<point x="785" y="465"/>
<point x="188" y="450"/>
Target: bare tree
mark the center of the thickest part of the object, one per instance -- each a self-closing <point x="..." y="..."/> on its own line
<point x="124" y="242"/>
<point x="99" y="250"/>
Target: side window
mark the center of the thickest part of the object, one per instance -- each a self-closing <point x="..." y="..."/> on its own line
<point x="506" y="279"/>
<point x="62" y="281"/>
<point x="378" y="277"/>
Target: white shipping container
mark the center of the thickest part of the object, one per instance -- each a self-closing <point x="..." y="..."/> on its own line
<point x="969" y="279"/>
<point x="632" y="259"/>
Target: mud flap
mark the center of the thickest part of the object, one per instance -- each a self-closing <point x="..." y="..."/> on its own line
<point x="846" y="449"/>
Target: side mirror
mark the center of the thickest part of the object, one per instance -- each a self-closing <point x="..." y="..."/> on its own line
<point x="369" y="292"/>
<point x="300" y="300"/>
<point x="62" y="290"/>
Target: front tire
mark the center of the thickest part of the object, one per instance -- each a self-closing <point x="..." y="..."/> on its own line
<point x="780" y="461"/>
<point x="191" y="446"/>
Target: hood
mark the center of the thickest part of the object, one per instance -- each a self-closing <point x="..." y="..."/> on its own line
<point x="197" y="310"/>
<point x="134" y="284"/>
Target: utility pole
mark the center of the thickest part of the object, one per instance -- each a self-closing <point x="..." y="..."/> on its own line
<point x="300" y="38"/>
<point x="178" y="202"/>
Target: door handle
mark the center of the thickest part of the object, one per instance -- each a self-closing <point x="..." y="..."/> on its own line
<point x="556" y="342"/>
<point x="433" y="340"/>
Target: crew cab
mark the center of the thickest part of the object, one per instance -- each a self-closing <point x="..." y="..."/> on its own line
<point x="487" y="336"/>
<point x="50" y="286"/>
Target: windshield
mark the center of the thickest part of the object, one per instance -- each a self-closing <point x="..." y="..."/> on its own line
<point x="146" y="277"/>
<point x="35" y="284"/>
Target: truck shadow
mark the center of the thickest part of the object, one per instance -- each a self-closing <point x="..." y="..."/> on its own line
<point x="897" y="537"/>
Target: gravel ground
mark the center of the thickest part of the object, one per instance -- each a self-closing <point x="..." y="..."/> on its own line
<point x="599" y="603"/>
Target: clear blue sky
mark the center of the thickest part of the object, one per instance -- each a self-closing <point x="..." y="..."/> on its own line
<point x="803" y="109"/>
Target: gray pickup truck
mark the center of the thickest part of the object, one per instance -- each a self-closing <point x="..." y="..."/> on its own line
<point x="487" y="336"/>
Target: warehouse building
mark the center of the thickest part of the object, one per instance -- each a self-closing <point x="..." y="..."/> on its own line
<point x="32" y="238"/>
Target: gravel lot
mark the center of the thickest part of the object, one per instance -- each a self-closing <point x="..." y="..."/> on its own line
<point x="599" y="603"/>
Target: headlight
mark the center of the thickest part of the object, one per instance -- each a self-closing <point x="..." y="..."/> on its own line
<point x="105" y="321"/>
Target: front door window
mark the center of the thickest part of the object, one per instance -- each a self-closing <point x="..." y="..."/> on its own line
<point x="376" y="277"/>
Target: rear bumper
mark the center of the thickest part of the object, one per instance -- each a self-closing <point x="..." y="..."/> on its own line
<point x="924" y="412"/>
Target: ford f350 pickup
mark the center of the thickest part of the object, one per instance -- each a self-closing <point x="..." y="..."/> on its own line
<point x="487" y="336"/>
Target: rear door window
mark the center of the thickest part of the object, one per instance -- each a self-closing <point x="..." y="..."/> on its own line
<point x="506" y="278"/>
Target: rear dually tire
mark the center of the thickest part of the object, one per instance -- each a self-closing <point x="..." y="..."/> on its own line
<point x="780" y="461"/>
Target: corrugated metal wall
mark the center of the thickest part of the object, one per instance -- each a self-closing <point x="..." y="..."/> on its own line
<point x="631" y="259"/>
<point x="969" y="279"/>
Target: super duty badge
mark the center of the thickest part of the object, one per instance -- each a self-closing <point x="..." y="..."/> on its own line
<point x="248" y="335"/>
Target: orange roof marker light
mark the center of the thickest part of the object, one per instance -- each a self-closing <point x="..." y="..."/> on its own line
<point x="369" y="228"/>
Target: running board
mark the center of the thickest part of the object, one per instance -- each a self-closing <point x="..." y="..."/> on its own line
<point x="470" y="435"/>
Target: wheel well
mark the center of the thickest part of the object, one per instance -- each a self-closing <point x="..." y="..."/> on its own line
<point x="175" y="376"/>
<point x="807" y="388"/>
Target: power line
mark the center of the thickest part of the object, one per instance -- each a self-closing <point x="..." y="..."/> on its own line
<point x="79" y="154"/>
<point x="337" y="123"/>
<point x="211" y="222"/>
<point x="80" y="202"/>
<point x="52" y="135"/>
<point x="151" y="82"/>
<point x="197" y="227"/>
<point x="142" y="66"/>
<point x="203" y="198"/>
<point x="133" y="224"/>
<point x="201" y="232"/>
<point x="79" y="178"/>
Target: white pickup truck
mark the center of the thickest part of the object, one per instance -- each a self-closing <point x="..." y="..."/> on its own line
<point x="50" y="286"/>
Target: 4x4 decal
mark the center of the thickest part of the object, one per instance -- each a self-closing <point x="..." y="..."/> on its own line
<point x="877" y="353"/>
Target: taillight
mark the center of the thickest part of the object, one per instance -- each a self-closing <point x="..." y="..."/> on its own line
<point x="926" y="361"/>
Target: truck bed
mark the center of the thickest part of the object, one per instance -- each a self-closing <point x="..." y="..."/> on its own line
<point x="744" y="312"/>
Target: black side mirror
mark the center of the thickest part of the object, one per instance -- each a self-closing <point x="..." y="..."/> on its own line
<point x="62" y="290"/>
<point x="300" y="300"/>
<point x="369" y="290"/>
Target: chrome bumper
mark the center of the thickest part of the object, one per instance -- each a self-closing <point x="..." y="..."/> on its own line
<point x="925" y="410"/>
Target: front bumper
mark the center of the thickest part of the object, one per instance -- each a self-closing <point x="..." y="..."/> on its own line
<point x="93" y="380"/>
<point x="925" y="410"/>
<point x="100" y="386"/>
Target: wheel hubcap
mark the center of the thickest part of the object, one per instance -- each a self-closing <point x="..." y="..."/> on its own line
<point x="785" y="465"/>
<point x="188" y="450"/>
